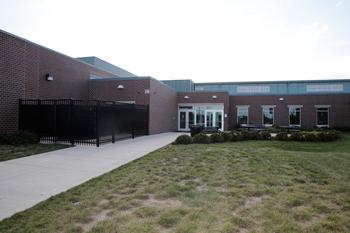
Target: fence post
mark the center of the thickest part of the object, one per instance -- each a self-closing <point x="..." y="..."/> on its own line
<point x="38" y="120"/>
<point x="113" y="122"/>
<point x="132" y="120"/>
<point x="54" y="121"/>
<point x="97" y="128"/>
<point x="148" y="124"/>
<point x="71" y="131"/>
<point x="19" y="114"/>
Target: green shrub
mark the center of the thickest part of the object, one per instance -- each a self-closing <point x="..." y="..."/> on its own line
<point x="18" y="138"/>
<point x="282" y="136"/>
<point x="201" y="138"/>
<point x="183" y="139"/>
<point x="311" y="136"/>
<point x="236" y="136"/>
<point x="324" y="136"/>
<point x="296" y="136"/>
<point x="328" y="135"/>
<point x="227" y="136"/>
<point x="333" y="135"/>
<point x="250" y="135"/>
<point x="315" y="135"/>
<point x="265" y="135"/>
<point x="217" y="138"/>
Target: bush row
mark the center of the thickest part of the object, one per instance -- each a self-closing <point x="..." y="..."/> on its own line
<point x="233" y="136"/>
<point x="310" y="136"/>
<point x="18" y="138"/>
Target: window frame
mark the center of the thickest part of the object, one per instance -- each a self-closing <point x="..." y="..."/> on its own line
<point x="273" y="114"/>
<point x="242" y="106"/>
<point x="328" y="113"/>
<point x="294" y="106"/>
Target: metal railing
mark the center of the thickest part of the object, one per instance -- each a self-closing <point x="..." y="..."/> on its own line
<point x="91" y="122"/>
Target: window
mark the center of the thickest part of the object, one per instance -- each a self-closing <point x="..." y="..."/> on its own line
<point x="267" y="115"/>
<point x="200" y="116"/>
<point x="253" y="89"/>
<point x="242" y="115"/>
<point x="322" y="114"/>
<point x="294" y="115"/>
<point x="324" y="88"/>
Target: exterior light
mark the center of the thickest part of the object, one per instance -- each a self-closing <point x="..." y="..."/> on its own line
<point x="48" y="77"/>
<point x="214" y="97"/>
<point x="281" y="99"/>
<point x="120" y="87"/>
<point x="186" y="97"/>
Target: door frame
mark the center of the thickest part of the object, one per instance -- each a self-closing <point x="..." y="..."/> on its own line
<point x="186" y="111"/>
<point x="214" y="111"/>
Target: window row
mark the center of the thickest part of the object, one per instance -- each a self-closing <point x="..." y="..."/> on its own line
<point x="294" y="113"/>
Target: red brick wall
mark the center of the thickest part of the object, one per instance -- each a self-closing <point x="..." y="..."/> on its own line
<point x="134" y="90"/>
<point x="23" y="66"/>
<point x="12" y="80"/>
<point x="207" y="97"/>
<point x="339" y="110"/>
<point x="160" y="98"/>
<point x="163" y="110"/>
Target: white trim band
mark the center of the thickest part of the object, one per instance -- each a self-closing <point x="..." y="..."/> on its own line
<point x="294" y="106"/>
<point x="323" y="106"/>
<point x="242" y="106"/>
<point x="268" y="106"/>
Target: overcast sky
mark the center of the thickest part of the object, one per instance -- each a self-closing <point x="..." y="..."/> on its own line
<point x="204" y="40"/>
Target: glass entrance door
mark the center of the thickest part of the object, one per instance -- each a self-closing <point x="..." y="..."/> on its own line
<point x="186" y="119"/>
<point x="214" y="118"/>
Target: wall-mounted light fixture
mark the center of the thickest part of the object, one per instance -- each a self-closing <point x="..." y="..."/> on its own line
<point x="120" y="87"/>
<point x="281" y="99"/>
<point x="48" y="77"/>
<point x="214" y="97"/>
<point x="186" y="97"/>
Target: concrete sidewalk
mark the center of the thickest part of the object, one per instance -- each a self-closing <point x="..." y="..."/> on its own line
<point x="26" y="181"/>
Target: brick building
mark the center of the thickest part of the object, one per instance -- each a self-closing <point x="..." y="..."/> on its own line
<point x="31" y="71"/>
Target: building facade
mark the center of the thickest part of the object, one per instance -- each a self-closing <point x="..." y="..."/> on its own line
<point x="307" y="104"/>
<point x="31" y="71"/>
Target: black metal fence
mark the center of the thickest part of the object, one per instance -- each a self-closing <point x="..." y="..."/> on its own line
<point x="90" y="122"/>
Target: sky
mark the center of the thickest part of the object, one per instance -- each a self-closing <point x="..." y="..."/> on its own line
<point x="204" y="40"/>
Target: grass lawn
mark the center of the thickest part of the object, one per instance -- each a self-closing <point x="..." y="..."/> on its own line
<point x="252" y="186"/>
<point x="8" y="152"/>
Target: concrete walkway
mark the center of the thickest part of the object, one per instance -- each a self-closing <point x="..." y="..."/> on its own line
<point x="27" y="181"/>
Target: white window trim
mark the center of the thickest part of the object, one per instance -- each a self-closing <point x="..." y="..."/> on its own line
<point x="268" y="106"/>
<point x="242" y="106"/>
<point x="294" y="106"/>
<point x="322" y="106"/>
<point x="273" y="114"/>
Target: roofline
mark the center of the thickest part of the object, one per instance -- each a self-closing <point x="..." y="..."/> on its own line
<point x="206" y="91"/>
<point x="281" y="81"/>
<point x="41" y="46"/>
<point x="131" y="79"/>
<point x="77" y="58"/>
<point x="122" y="78"/>
<point x="168" y="80"/>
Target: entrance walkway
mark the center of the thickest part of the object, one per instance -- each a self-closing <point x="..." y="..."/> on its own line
<point x="26" y="181"/>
